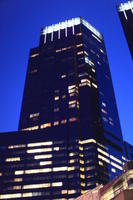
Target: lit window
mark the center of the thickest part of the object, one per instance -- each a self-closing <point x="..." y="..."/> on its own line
<point x="63" y="96"/>
<point x="64" y="192"/>
<point x="34" y="186"/>
<point x="86" y="53"/>
<point x="56" y="148"/>
<point x="78" y="34"/>
<point x="94" y="85"/>
<point x="19" y="172"/>
<point x="80" y="52"/>
<point x="93" y="70"/>
<point x="33" y="71"/>
<point x="42" y="156"/>
<point x="82" y="169"/>
<point x="58" y="50"/>
<point x="39" y="150"/>
<point x="71" y="168"/>
<point x="17" y="146"/>
<point x="80" y="148"/>
<point x="0" y="174"/>
<point x="82" y="176"/>
<point x="81" y="162"/>
<point x="117" y="166"/>
<point x="64" y="121"/>
<point x="79" y="45"/>
<point x="73" y="119"/>
<point x="10" y="196"/>
<point x="100" y="163"/>
<point x="103" y="111"/>
<point x="103" y="158"/>
<point x="72" y="161"/>
<point x="72" y="94"/>
<point x="39" y="144"/>
<point x="113" y="170"/>
<point x="87" y="141"/>
<point x="34" y="115"/>
<point x="72" y="106"/>
<point x="71" y="191"/>
<point x="98" y="63"/>
<point x="63" y="76"/>
<point x="82" y="184"/>
<point x="104" y="104"/>
<point x="34" y="55"/>
<point x="71" y="87"/>
<point x="56" y="98"/>
<point x="31" y="128"/>
<point x="47" y="125"/>
<point x="46" y="163"/>
<point x="72" y="154"/>
<point x="13" y="159"/>
<point x="102" y="51"/>
<point x="72" y="102"/>
<point x="17" y="187"/>
<point x="56" y="123"/>
<point x="57" y="184"/>
<point x="18" y="180"/>
<point x="35" y="171"/>
<point x="103" y="152"/>
<point x="56" y="169"/>
<point x="116" y="159"/>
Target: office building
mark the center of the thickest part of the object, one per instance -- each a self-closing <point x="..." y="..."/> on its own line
<point x="69" y="130"/>
<point x="125" y="11"/>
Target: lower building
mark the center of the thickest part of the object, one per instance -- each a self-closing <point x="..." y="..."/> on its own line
<point x="35" y="165"/>
<point x="120" y="188"/>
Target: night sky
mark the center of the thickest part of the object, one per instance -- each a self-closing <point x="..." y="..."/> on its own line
<point x="20" y="24"/>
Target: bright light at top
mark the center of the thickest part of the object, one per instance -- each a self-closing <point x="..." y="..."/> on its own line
<point x="125" y="6"/>
<point x="70" y="23"/>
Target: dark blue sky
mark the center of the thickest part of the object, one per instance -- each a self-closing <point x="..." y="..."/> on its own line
<point x="20" y="24"/>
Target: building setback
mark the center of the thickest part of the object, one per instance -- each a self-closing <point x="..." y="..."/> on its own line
<point x="69" y="137"/>
<point x="125" y="11"/>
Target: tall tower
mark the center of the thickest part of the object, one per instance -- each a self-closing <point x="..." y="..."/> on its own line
<point x="125" y="11"/>
<point x="70" y="137"/>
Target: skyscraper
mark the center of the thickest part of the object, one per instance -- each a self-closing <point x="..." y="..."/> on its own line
<point x="69" y="136"/>
<point x="125" y="11"/>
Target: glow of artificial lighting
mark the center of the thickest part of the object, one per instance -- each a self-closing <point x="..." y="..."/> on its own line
<point x="125" y="6"/>
<point x="69" y="23"/>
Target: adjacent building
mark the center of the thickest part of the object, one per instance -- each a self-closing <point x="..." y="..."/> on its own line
<point x="120" y="188"/>
<point x="69" y="137"/>
<point x="128" y="150"/>
<point x="125" y="11"/>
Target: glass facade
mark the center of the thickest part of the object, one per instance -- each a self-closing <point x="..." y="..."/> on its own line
<point x="125" y="11"/>
<point x="69" y="136"/>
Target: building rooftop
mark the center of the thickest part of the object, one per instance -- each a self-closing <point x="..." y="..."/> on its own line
<point x="70" y="23"/>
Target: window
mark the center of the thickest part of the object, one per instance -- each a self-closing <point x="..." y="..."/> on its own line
<point x="34" y="55"/>
<point x="73" y="119"/>
<point x="47" y="125"/>
<point x="56" y="98"/>
<point x="56" y="123"/>
<point x="34" y="115"/>
<point x="64" y="121"/>
<point x="63" y="76"/>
